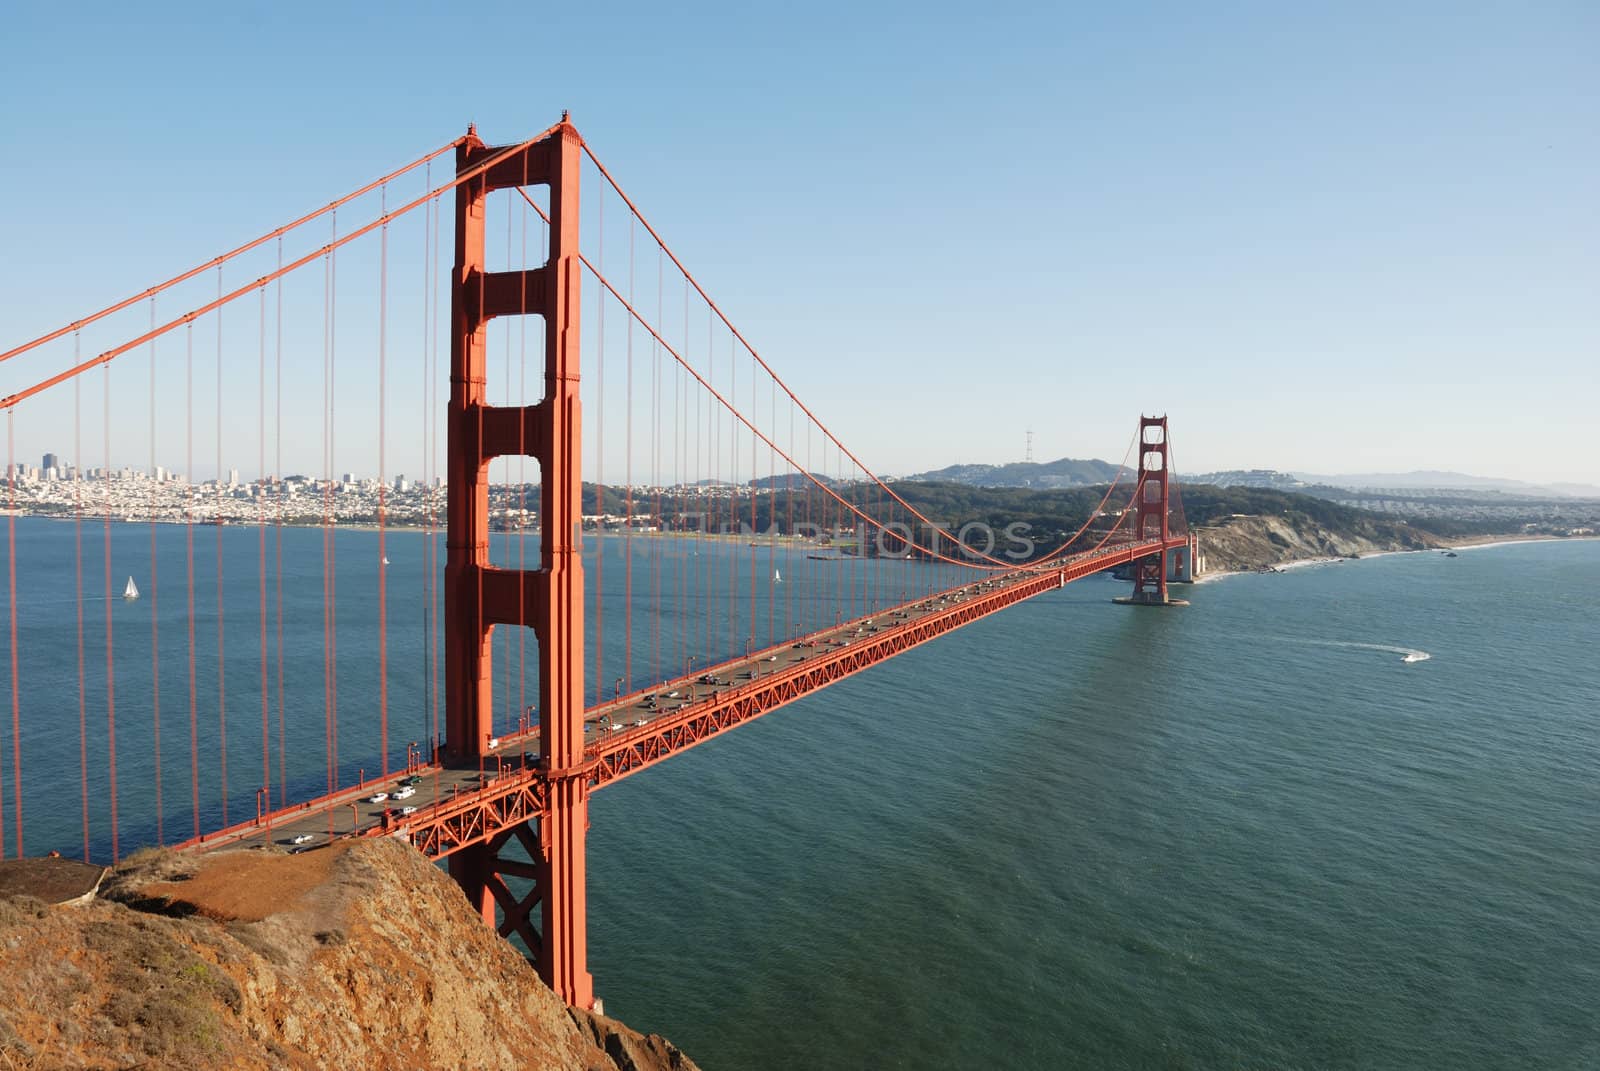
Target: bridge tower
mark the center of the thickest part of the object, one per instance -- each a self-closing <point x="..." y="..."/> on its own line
<point x="1151" y="514"/>
<point x="479" y="596"/>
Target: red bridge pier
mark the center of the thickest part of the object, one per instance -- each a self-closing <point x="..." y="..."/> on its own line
<point x="479" y="597"/>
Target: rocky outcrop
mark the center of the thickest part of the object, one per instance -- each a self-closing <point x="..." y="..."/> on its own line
<point x="361" y="954"/>
<point x="1259" y="542"/>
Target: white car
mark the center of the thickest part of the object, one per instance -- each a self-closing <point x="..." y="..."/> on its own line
<point x="303" y="838"/>
<point x="377" y="797"/>
<point x="408" y="810"/>
<point x="403" y="793"/>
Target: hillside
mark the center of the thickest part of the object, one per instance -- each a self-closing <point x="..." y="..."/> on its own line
<point x="1242" y="544"/>
<point x="1242" y="527"/>
<point x="359" y="955"/>
<point x="1063" y="472"/>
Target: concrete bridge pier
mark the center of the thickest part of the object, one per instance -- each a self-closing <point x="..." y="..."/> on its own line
<point x="1178" y="566"/>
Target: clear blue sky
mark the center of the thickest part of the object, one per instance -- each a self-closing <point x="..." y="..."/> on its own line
<point x="1335" y="237"/>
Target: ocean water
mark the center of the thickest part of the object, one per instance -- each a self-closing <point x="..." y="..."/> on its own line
<point x="270" y="666"/>
<point x="1243" y="834"/>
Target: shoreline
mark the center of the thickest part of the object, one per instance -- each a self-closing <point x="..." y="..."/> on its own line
<point x="1456" y="543"/>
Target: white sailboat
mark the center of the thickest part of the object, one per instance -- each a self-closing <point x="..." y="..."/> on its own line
<point x="386" y="559"/>
<point x="777" y="577"/>
<point x="131" y="591"/>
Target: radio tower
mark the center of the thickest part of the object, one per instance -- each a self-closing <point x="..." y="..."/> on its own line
<point x="1028" y="454"/>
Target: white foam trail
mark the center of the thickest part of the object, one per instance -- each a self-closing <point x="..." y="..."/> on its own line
<point x="1407" y="654"/>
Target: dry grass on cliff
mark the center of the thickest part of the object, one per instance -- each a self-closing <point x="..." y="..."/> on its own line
<point x="249" y="886"/>
<point x="364" y="955"/>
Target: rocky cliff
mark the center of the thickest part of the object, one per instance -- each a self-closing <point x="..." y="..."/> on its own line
<point x="359" y="955"/>
<point x="1259" y="542"/>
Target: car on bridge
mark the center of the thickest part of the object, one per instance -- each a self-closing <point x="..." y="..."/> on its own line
<point x="377" y="797"/>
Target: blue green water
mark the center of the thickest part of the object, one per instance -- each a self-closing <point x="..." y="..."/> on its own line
<point x="1242" y="834"/>
<point x="1081" y="835"/>
<point x="695" y="602"/>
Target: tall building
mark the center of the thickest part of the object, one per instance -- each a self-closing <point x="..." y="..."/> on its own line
<point x="50" y="461"/>
<point x="233" y="477"/>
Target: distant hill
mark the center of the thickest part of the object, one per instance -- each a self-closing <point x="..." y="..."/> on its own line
<point x="1267" y="478"/>
<point x="793" y="481"/>
<point x="1432" y="479"/>
<point x="1047" y="475"/>
<point x="1069" y="472"/>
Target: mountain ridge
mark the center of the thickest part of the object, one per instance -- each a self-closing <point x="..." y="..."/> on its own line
<point x="1085" y="472"/>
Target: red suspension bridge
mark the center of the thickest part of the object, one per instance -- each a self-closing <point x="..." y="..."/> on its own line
<point x="727" y="556"/>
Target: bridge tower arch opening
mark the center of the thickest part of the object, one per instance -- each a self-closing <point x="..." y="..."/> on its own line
<point x="479" y="596"/>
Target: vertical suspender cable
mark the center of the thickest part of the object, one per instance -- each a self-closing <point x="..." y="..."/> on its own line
<point x="599" y="470"/>
<point x="754" y="521"/>
<point x="788" y="522"/>
<point x="77" y="537"/>
<point x="436" y="415"/>
<point x="333" y="461"/>
<point x="281" y="488"/>
<point x="188" y="534"/>
<point x="327" y="565"/>
<point x="427" y="471"/>
<point x="657" y="673"/>
<point x="383" y="558"/>
<point x="772" y="524"/>
<point x="627" y="529"/>
<point x="16" y="662"/>
<point x="735" y="634"/>
<point x="261" y="548"/>
<point x="681" y="479"/>
<point x="155" y="628"/>
<point x="222" y="662"/>
<point x="111" y="678"/>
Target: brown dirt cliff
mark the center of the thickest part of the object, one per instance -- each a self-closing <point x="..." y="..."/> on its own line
<point x="358" y="955"/>
<point x="1245" y="543"/>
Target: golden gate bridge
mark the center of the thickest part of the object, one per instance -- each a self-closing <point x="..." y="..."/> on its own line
<point x="688" y="420"/>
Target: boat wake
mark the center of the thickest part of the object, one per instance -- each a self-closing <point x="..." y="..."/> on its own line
<point x="1407" y="654"/>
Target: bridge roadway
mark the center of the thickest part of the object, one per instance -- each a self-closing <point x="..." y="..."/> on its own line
<point x="456" y="806"/>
